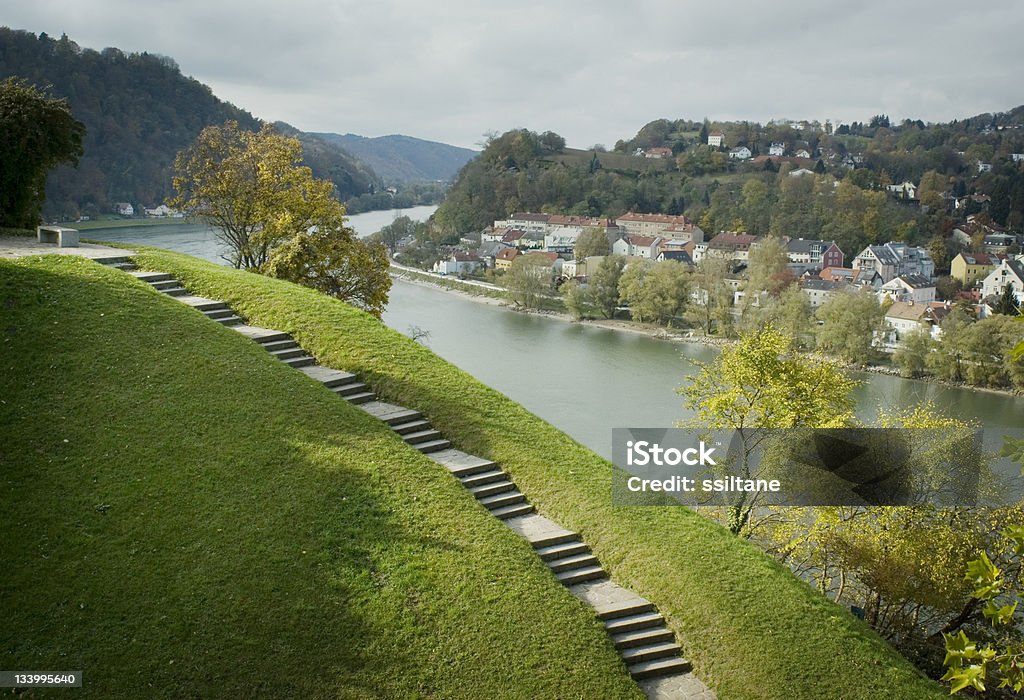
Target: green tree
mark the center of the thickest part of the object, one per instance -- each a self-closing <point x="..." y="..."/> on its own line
<point x="334" y="261"/>
<point x="912" y="354"/>
<point x="711" y="298"/>
<point x="790" y="312"/>
<point x="250" y="187"/>
<point x="603" y="285"/>
<point x="948" y="360"/>
<point x="849" y="324"/>
<point x="401" y="227"/>
<point x="654" y="292"/>
<point x="592" y="242"/>
<point x="767" y="269"/>
<point x="528" y="281"/>
<point x="577" y="300"/>
<point x="37" y="133"/>
<point x="1007" y="302"/>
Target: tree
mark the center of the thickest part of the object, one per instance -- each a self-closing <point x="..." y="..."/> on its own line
<point x="654" y="292"/>
<point x="592" y="242"/>
<point x="528" y="281"/>
<point x="250" y="187"/>
<point x="1007" y="303"/>
<point x="766" y="269"/>
<point x="603" y="285"/>
<point x="37" y="133"/>
<point x="711" y="300"/>
<point x="912" y="354"/>
<point x="577" y="299"/>
<point x="401" y="227"/>
<point x="849" y="324"/>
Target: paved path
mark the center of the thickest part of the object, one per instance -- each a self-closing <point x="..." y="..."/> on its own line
<point x="21" y="246"/>
<point x="644" y="641"/>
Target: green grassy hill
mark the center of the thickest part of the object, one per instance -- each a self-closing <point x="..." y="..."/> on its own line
<point x="752" y="629"/>
<point x="184" y="516"/>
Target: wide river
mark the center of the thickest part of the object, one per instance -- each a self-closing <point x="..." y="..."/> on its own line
<point x="582" y="379"/>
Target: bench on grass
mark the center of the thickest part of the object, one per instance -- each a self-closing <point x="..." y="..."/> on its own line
<point x="63" y="237"/>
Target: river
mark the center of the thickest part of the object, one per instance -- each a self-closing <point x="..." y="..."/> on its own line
<point x="582" y="379"/>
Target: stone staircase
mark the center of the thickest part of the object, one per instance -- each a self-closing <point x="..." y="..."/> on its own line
<point x="640" y="634"/>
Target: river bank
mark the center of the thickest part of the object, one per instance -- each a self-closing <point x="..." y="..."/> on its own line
<point x="472" y="292"/>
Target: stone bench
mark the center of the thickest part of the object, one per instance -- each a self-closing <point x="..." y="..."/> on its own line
<point x="63" y="237"/>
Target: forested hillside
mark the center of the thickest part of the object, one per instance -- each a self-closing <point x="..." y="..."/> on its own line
<point x="139" y="111"/>
<point x="401" y="159"/>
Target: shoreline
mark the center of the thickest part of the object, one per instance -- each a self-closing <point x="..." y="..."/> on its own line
<point x="665" y="334"/>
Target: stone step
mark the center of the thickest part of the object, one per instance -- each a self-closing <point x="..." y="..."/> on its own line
<point x="401" y="417"/>
<point x="659" y="667"/>
<point x="502" y="499"/>
<point x="330" y="378"/>
<point x="636" y="638"/>
<point x="461" y="464"/>
<point x="218" y="313"/>
<point x="515" y="511"/>
<point x="147" y="276"/>
<point x="202" y="303"/>
<point x="631" y="606"/>
<point x="491" y="488"/>
<point x="432" y="446"/>
<point x="350" y="389"/>
<point x="279" y="345"/>
<point x="649" y="652"/>
<point x="365" y="397"/>
<point x="574" y="576"/>
<point x="481" y="478"/>
<point x="562" y="549"/>
<point x="575" y="561"/>
<point x="412" y="426"/>
<point x="176" y="292"/>
<point x="125" y="266"/>
<point x="112" y="260"/>
<point x="229" y="321"/>
<point x="262" y="335"/>
<point x="287" y="353"/>
<point x="162" y="284"/>
<point x="542" y="541"/>
<point x="302" y="361"/>
<point x="422" y="436"/>
<point x="629" y="623"/>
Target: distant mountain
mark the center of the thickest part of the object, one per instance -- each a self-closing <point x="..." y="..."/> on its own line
<point x="400" y="159"/>
<point x="139" y="111"/>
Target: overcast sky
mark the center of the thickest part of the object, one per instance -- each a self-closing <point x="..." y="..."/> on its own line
<point x="595" y="71"/>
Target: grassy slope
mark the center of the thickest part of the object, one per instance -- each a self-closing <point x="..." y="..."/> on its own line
<point x="751" y="627"/>
<point x="183" y="516"/>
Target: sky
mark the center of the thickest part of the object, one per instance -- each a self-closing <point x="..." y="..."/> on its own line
<point x="594" y="72"/>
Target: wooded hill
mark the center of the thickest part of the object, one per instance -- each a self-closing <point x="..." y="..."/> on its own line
<point x="401" y="159"/>
<point x="139" y="111"/>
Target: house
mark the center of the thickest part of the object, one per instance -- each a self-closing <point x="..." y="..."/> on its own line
<point x="904" y="190"/>
<point x="1017" y="157"/>
<point x="550" y="261"/>
<point x="800" y="172"/>
<point x="562" y="241"/>
<point x="802" y="153"/>
<point x="905" y="318"/>
<point x="527" y="222"/>
<point x="820" y="291"/>
<point x="998" y="242"/>
<point x="971" y="267"/>
<point x="684" y="233"/>
<point x="488" y="251"/>
<point x="895" y="259"/>
<point x="638" y="246"/>
<point x="658" y="152"/>
<point x="124" y="209"/>
<point x="503" y="260"/>
<point x="678" y="255"/>
<point x="740" y="153"/>
<point x="532" y="240"/>
<point x="777" y="149"/>
<point x="159" y="211"/>
<point x="908" y="288"/>
<point x="715" y="138"/>
<point x="458" y="264"/>
<point x="493" y="234"/>
<point x="649" y="224"/>
<point x="731" y="245"/>
<point x="512" y="236"/>
<point x="1010" y="272"/>
<point x="808" y="254"/>
<point x="984" y="167"/>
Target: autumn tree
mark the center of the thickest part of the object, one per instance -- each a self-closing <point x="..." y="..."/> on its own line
<point x="654" y="292"/>
<point x="603" y="285"/>
<point x="592" y="242"/>
<point x="37" y="133"/>
<point x="528" y="281"/>
<point x="849" y="324"/>
<point x="710" y="304"/>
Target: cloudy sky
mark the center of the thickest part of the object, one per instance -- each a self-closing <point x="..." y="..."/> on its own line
<point x="594" y="71"/>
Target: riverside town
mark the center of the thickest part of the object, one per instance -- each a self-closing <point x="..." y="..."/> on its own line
<point x="316" y="354"/>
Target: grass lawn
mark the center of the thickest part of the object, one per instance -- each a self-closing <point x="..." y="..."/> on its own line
<point x="184" y="516"/>
<point x="752" y="629"/>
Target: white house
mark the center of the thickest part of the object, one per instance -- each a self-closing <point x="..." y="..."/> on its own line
<point x="820" y="291"/>
<point x="908" y="288"/>
<point x="124" y="209"/>
<point x="741" y="153"/>
<point x="904" y="190"/>
<point x="803" y="153"/>
<point x="984" y="167"/>
<point x="895" y="259"/>
<point x="458" y="264"/>
<point x="905" y="318"/>
<point x="715" y="138"/>
<point x="1010" y="272"/>
<point x="637" y="246"/>
<point x="159" y="211"/>
<point x="800" y="172"/>
<point x="777" y="149"/>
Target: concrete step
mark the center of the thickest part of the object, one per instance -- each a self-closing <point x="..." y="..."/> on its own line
<point x="575" y="561"/>
<point x="502" y="499"/>
<point x="629" y="623"/>
<point x="402" y="417"/>
<point x="279" y="345"/>
<point x="432" y="446"/>
<point x="659" y="667"/>
<point x="512" y="511"/>
<point x="471" y="468"/>
<point x="176" y="292"/>
<point x="330" y="378"/>
<point x="481" y="478"/>
<point x="422" y="436"/>
<point x="125" y="266"/>
<point x="365" y="397"/>
<point x="112" y="260"/>
<point x="413" y="426"/>
<point x="622" y="609"/>
<point x="147" y="276"/>
<point x="636" y="638"/>
<point x="202" y="303"/>
<point x="649" y="652"/>
<point x="301" y="361"/>
<point x="492" y="488"/>
<point x="262" y="335"/>
<point x="574" y="576"/>
<point x="287" y="353"/>
<point x="229" y="321"/>
<point x="562" y="549"/>
<point x="556" y="538"/>
<point x="350" y="389"/>
<point x="162" y="284"/>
